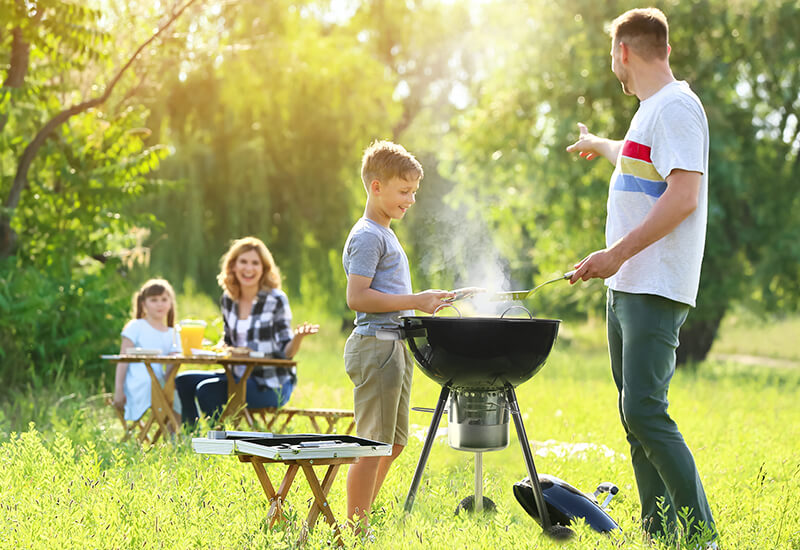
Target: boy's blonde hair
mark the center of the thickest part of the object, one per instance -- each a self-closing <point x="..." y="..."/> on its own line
<point x="154" y="287"/>
<point x="270" y="275"/>
<point x="384" y="160"/>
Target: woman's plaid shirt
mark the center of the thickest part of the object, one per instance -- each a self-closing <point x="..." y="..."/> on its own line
<point x="270" y="331"/>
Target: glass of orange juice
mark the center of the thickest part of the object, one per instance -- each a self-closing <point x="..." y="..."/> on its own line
<point x="192" y="331"/>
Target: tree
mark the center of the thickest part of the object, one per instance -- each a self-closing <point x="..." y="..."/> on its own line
<point x="66" y="34"/>
<point x="67" y="178"/>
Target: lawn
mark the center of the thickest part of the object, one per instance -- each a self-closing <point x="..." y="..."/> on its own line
<point x="67" y="481"/>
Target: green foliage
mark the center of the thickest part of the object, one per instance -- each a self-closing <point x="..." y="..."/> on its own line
<point x="65" y="32"/>
<point x="63" y="298"/>
<point x="268" y="136"/>
<point x="86" y="181"/>
<point x="55" y="324"/>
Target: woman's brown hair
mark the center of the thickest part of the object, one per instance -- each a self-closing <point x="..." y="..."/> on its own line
<point x="154" y="287"/>
<point x="270" y="276"/>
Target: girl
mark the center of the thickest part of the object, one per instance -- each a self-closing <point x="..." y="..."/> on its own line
<point x="256" y="314"/>
<point x="152" y="327"/>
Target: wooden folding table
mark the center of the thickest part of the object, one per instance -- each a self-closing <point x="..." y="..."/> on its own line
<point x="296" y="452"/>
<point x="163" y="416"/>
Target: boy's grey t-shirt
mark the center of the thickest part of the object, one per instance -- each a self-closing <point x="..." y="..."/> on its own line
<point x="372" y="250"/>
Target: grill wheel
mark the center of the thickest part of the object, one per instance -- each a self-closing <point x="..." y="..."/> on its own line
<point x="468" y="505"/>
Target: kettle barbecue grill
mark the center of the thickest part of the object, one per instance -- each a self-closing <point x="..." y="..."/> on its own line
<point x="479" y="361"/>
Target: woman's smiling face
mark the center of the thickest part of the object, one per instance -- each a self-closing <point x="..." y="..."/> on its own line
<point x="248" y="269"/>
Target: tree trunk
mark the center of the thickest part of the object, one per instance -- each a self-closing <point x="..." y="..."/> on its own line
<point x="18" y="66"/>
<point x="699" y="332"/>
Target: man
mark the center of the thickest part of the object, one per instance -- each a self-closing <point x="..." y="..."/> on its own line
<point x="655" y="234"/>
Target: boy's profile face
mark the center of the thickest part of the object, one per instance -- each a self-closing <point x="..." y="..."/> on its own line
<point x="394" y="196"/>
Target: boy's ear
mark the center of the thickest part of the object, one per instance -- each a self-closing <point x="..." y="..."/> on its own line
<point x="375" y="186"/>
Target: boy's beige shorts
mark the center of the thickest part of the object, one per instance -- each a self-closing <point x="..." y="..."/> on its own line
<point x="381" y="371"/>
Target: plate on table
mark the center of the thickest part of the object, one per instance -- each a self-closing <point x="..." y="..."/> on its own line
<point x="144" y="351"/>
<point x="206" y="353"/>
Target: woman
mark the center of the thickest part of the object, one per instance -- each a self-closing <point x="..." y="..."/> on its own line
<point x="256" y="314"/>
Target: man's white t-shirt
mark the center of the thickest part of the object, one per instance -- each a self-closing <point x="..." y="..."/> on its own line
<point x="668" y="132"/>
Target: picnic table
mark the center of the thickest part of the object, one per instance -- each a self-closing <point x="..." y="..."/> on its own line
<point x="163" y="415"/>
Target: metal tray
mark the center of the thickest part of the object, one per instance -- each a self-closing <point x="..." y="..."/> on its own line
<point x="292" y="447"/>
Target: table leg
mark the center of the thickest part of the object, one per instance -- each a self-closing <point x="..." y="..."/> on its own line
<point x="144" y="430"/>
<point x="288" y="418"/>
<point x="161" y="402"/>
<point x="315" y="425"/>
<point x="237" y="396"/>
<point x="169" y="394"/>
<point x="283" y="490"/>
<point x="276" y="498"/>
<point x="321" y="497"/>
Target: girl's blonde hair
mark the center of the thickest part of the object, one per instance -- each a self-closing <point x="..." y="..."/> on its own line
<point x="154" y="287"/>
<point x="270" y="275"/>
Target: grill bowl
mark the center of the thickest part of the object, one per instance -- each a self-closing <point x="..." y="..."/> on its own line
<point x="480" y="352"/>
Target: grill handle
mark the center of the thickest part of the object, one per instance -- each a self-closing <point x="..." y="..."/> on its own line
<point x="523" y="308"/>
<point x="416" y="332"/>
<point x="448" y="304"/>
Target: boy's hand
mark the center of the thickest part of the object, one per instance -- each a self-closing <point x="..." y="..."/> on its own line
<point x="465" y="293"/>
<point x="429" y="300"/>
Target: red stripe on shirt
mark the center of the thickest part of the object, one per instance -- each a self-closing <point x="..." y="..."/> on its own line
<point x="634" y="150"/>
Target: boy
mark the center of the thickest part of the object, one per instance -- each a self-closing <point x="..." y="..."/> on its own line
<point x="379" y="291"/>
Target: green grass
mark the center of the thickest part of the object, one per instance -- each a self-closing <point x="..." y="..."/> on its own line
<point x="67" y="482"/>
<point x="744" y="333"/>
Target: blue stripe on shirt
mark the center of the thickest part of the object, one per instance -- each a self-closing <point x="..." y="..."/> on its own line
<point x="626" y="182"/>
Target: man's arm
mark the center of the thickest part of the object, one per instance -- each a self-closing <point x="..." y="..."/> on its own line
<point x="675" y="205"/>
<point x="360" y="297"/>
<point x="590" y="146"/>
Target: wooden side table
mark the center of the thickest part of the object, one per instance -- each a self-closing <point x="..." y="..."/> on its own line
<point x="296" y="452"/>
<point x="319" y="490"/>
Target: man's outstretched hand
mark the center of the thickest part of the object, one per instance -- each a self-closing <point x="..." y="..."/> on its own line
<point x="587" y="145"/>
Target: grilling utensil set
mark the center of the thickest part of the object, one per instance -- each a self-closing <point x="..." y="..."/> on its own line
<point x="505" y="295"/>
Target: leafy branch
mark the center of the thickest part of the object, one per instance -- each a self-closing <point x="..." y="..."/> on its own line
<point x="20" y="183"/>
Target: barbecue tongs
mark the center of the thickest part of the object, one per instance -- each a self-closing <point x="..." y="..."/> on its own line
<point x="502" y="296"/>
<point x="510" y="295"/>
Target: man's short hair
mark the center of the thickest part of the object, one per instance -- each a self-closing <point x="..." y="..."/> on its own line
<point x="644" y="30"/>
<point x="384" y="160"/>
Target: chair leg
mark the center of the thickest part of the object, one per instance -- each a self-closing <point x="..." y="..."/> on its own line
<point x="135" y="428"/>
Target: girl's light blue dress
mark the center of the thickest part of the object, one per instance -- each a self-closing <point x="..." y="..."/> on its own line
<point x="137" y="381"/>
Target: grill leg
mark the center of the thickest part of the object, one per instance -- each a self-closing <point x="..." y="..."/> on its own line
<point x="426" y="448"/>
<point x="478" y="482"/>
<point x="511" y="396"/>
